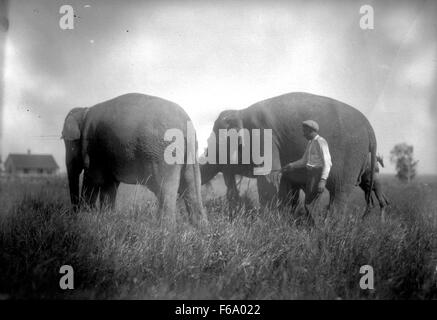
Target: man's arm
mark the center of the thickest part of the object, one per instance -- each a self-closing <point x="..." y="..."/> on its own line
<point x="298" y="163"/>
<point x="326" y="156"/>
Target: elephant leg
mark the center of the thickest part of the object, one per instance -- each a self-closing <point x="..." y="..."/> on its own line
<point x="311" y="194"/>
<point x="294" y="194"/>
<point x="375" y="192"/>
<point x="231" y="194"/>
<point x="308" y="215"/>
<point x="267" y="190"/>
<point x="383" y="209"/>
<point x="89" y="191"/>
<point x="288" y="194"/>
<point x="377" y="188"/>
<point x="365" y="186"/>
<point x="165" y="185"/>
<point x="269" y="185"/>
<point x="191" y="191"/>
<point x="340" y="198"/>
<point x="108" y="194"/>
<point x="330" y="205"/>
<point x="292" y="201"/>
<point x="370" y="205"/>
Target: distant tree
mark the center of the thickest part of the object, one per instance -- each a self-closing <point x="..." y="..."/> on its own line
<point x="406" y="166"/>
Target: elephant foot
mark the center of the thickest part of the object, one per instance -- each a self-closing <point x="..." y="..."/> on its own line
<point x="326" y="215"/>
<point x="166" y="219"/>
<point x="366" y="212"/>
<point x="168" y="224"/>
<point x="234" y="210"/>
<point x="306" y="222"/>
<point x="75" y="208"/>
<point x="200" y="222"/>
<point x="310" y="221"/>
<point x="307" y="219"/>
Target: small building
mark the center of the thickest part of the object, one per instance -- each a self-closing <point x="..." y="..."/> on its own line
<point x="30" y="164"/>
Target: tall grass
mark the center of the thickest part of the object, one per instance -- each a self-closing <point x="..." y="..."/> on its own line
<point x="261" y="254"/>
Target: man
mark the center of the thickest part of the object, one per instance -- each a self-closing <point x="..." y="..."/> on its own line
<point x="316" y="159"/>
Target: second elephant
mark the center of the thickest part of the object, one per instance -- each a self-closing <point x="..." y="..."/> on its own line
<point x="348" y="132"/>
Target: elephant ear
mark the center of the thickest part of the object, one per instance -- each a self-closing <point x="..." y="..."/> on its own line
<point x="73" y="123"/>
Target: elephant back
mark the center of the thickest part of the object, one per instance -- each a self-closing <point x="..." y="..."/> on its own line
<point x="133" y="125"/>
<point x="347" y="131"/>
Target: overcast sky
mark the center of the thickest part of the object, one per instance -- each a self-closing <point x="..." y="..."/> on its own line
<point x="213" y="55"/>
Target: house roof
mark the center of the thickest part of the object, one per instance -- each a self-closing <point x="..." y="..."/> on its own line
<point x="32" y="161"/>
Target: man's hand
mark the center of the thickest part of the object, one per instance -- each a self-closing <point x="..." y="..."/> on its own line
<point x="321" y="186"/>
<point x="287" y="167"/>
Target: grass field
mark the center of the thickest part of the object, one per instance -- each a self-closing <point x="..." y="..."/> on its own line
<point x="262" y="254"/>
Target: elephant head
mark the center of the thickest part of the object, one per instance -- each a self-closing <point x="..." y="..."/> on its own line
<point x="228" y="119"/>
<point x="72" y="134"/>
<point x="230" y="124"/>
<point x="227" y="134"/>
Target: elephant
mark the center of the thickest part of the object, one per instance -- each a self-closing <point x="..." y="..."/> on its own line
<point x="348" y="132"/>
<point x="122" y="140"/>
<point x="377" y="187"/>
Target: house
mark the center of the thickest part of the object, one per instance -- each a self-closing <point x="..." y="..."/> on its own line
<point x="30" y="164"/>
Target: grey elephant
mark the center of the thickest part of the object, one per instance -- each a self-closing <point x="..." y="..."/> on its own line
<point x="347" y="130"/>
<point x="376" y="189"/>
<point x="122" y="140"/>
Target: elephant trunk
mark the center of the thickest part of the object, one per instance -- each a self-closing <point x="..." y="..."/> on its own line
<point x="73" y="161"/>
<point x="207" y="172"/>
<point x="73" y="184"/>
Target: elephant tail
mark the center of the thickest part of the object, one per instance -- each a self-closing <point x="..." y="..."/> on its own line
<point x="192" y="180"/>
<point x="372" y="149"/>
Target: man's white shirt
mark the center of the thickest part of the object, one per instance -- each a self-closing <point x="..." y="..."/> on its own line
<point x="316" y="156"/>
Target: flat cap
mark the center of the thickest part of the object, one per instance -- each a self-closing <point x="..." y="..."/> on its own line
<point x="311" y="124"/>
